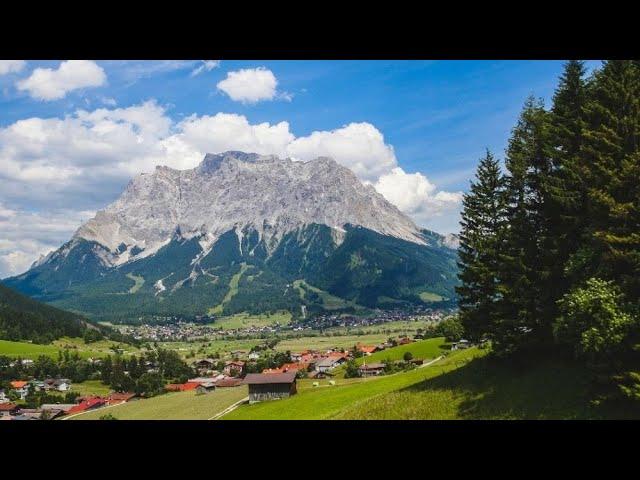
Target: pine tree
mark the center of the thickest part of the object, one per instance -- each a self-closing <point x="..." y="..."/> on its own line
<point x="612" y="152"/>
<point x="568" y="190"/>
<point x="482" y="218"/>
<point x="525" y="310"/>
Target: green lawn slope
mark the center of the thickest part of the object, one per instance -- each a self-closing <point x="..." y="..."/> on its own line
<point x="466" y="385"/>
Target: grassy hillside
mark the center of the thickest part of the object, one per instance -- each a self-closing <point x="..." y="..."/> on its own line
<point x="465" y="385"/>
<point x="173" y="406"/>
<point x="482" y="389"/>
<point x="101" y="348"/>
<point x="326" y="402"/>
<point x="430" y="348"/>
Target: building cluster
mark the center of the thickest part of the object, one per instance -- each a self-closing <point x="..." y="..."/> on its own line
<point x="48" y="411"/>
<point x="178" y="332"/>
<point x="173" y="329"/>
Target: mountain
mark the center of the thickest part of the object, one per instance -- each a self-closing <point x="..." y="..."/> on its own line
<point x="244" y="232"/>
<point x="22" y="318"/>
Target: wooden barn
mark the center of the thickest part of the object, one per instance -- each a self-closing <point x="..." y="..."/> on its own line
<point x="270" y="386"/>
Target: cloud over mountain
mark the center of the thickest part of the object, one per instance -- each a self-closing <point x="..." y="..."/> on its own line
<point x="83" y="160"/>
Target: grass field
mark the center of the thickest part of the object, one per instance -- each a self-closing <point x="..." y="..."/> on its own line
<point x="91" y="387"/>
<point x="244" y="320"/>
<point x="326" y="342"/>
<point x="425" y="349"/>
<point x="430" y="297"/>
<point x="328" y="402"/>
<point x="172" y="406"/>
<point x="465" y="385"/>
<point x="233" y="289"/>
<point x="33" y="351"/>
<point x="26" y="350"/>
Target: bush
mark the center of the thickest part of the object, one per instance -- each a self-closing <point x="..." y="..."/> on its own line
<point x="407" y="357"/>
<point x="351" y="370"/>
<point x="592" y="321"/>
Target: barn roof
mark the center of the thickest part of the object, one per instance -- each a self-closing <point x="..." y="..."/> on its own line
<point x="259" y="378"/>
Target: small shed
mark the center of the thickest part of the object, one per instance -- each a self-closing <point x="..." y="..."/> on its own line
<point x="206" y="387"/>
<point x="272" y="386"/>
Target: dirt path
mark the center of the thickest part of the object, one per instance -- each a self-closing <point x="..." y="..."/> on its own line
<point x="230" y="408"/>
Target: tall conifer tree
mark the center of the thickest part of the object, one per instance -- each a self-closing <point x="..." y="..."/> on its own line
<point x="482" y="219"/>
<point x="525" y="310"/>
<point x="568" y="190"/>
<point x="612" y="152"/>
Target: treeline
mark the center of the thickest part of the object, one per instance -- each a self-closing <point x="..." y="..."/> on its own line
<point x="25" y="319"/>
<point x="147" y="374"/>
<point x="550" y="247"/>
<point x="22" y="318"/>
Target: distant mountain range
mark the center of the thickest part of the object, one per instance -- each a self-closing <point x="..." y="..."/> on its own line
<point x="244" y="232"/>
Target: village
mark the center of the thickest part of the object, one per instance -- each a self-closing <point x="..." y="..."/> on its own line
<point x="211" y="374"/>
<point x="182" y="330"/>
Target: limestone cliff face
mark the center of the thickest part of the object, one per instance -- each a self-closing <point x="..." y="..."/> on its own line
<point x="235" y="190"/>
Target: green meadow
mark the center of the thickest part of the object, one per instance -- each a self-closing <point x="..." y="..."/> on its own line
<point x="326" y="402"/>
<point x="425" y="349"/>
<point x="172" y="406"/>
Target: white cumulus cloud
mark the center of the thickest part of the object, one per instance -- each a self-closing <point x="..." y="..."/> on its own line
<point x="48" y="84"/>
<point x="251" y="85"/>
<point x="85" y="159"/>
<point x="416" y="196"/>
<point x="358" y="146"/>
<point x="11" y="66"/>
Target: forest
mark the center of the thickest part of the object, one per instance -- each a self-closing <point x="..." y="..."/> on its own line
<point x="550" y="239"/>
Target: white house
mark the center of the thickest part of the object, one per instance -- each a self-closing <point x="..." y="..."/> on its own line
<point x="329" y="363"/>
<point x="62" y="385"/>
<point x="3" y="397"/>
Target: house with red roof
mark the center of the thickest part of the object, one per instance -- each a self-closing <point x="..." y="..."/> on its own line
<point x="182" y="387"/>
<point x="366" y="349"/>
<point x="88" y="404"/>
<point x="8" y="409"/>
<point x="21" y="387"/>
<point x="116" y="398"/>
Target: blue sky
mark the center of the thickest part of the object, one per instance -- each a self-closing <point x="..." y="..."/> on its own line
<point x="71" y="135"/>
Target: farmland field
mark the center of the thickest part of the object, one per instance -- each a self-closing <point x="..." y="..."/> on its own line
<point x="325" y="342"/>
<point x="27" y="350"/>
<point x="101" y="348"/>
<point x="245" y="320"/>
<point x="172" y="406"/>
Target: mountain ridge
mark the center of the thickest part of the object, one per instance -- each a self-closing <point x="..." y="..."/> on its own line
<point x="184" y="234"/>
